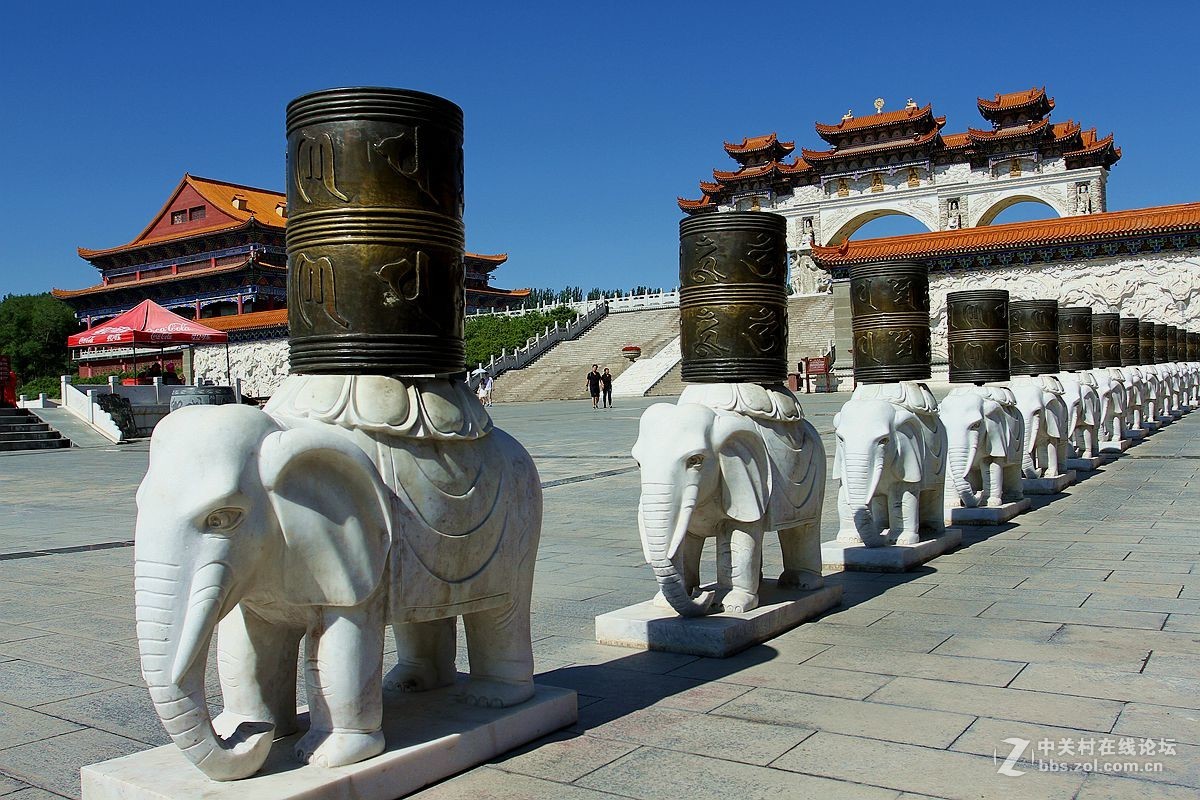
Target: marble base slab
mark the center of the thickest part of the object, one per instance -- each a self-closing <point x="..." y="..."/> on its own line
<point x="1116" y="447"/>
<point x="1048" y="485"/>
<point x="987" y="515"/>
<point x="430" y="736"/>
<point x="1082" y="464"/>
<point x="888" y="558"/>
<point x="1136" y="434"/>
<point x="650" y="626"/>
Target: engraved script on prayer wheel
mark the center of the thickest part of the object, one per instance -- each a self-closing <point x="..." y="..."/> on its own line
<point x="375" y="233"/>
<point x="977" y="335"/>
<point x="1130" y="352"/>
<point x="1033" y="337"/>
<point x="1074" y="338"/>
<point x="1106" y="339"/>
<point x="1146" y="342"/>
<point x="1172" y="343"/>
<point x="733" y="298"/>
<point x="889" y="308"/>
<point x="1160" y="343"/>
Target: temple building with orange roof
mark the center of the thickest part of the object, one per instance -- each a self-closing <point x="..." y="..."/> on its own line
<point x="215" y="251"/>
<point x="905" y="161"/>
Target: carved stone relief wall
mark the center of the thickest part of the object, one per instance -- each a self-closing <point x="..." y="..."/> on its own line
<point x="262" y="366"/>
<point x="1163" y="288"/>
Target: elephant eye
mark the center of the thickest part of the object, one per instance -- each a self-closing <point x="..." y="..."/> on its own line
<point x="695" y="461"/>
<point x="223" y="520"/>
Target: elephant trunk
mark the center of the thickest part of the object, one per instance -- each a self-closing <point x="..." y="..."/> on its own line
<point x="175" y="675"/>
<point x="664" y="521"/>
<point x="863" y="474"/>
<point x="960" y="461"/>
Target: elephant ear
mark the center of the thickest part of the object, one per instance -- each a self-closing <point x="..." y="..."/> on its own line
<point x="743" y="459"/>
<point x="1053" y="420"/>
<point x="996" y="427"/>
<point x="334" y="513"/>
<point x="910" y="451"/>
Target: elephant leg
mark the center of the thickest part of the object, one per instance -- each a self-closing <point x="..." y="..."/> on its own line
<point x="256" y="661"/>
<point x="847" y="531"/>
<point x="425" y="654"/>
<point x="343" y="669"/>
<point x="905" y="516"/>
<point x="932" y="514"/>
<point x="501" y="656"/>
<point x="724" y="559"/>
<point x="881" y="515"/>
<point x="1012" y="491"/>
<point x="745" y="545"/>
<point x="801" y="548"/>
<point x="993" y="483"/>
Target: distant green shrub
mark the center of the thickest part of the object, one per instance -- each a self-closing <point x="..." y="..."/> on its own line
<point x="35" y="387"/>
<point x="488" y="336"/>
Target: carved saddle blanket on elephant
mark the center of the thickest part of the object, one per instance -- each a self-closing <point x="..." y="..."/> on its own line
<point x="794" y="455"/>
<point x="429" y="440"/>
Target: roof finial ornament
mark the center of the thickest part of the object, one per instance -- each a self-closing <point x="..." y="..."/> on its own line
<point x="878" y="105"/>
<point x="848" y="115"/>
<point x="911" y="104"/>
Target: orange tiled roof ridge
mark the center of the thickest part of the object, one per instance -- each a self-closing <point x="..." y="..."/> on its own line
<point x="253" y="319"/>
<point x="157" y="279"/>
<point x="1011" y="100"/>
<point x="1138" y="221"/>
<point x="755" y="144"/>
<point x="877" y="120"/>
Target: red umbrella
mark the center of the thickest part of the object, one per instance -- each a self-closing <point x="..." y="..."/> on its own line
<point x="149" y="323"/>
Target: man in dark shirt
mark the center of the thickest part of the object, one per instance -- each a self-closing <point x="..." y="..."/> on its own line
<point x="606" y="380"/>
<point x="593" y="382"/>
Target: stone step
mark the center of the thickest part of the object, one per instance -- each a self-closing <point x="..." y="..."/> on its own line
<point x="34" y="444"/>
<point x="22" y="436"/>
<point x="31" y="425"/>
<point x="13" y="412"/>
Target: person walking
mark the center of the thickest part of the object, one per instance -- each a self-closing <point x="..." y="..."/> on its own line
<point x="593" y="382"/>
<point x="606" y="388"/>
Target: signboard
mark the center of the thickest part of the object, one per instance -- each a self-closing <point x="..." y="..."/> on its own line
<point x="8" y="383"/>
<point x="817" y="366"/>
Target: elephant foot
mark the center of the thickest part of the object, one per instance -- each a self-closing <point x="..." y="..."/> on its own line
<point x="994" y="502"/>
<point x="227" y="722"/>
<point x="496" y="693"/>
<point x="739" y="602"/>
<point x="802" y="579"/>
<point x="338" y="748"/>
<point x="848" y="537"/>
<point x="409" y="677"/>
<point x="907" y="538"/>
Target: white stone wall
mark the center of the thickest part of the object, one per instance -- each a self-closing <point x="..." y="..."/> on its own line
<point x="262" y="366"/>
<point x="1159" y="287"/>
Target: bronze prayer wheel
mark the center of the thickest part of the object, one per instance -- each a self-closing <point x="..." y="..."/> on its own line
<point x="733" y="298"/>
<point x="1172" y="343"/>
<point x="1074" y="338"/>
<point x="977" y="335"/>
<point x="1146" y="342"/>
<point x="889" y="309"/>
<point x="1106" y="339"/>
<point x="375" y="233"/>
<point x="1160" y="343"/>
<point x="1130" y="355"/>
<point x="1033" y="337"/>
<point x="1193" y="346"/>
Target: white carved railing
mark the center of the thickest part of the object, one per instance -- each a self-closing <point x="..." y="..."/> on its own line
<point x="83" y="405"/>
<point x="644" y="302"/>
<point x="534" y="347"/>
<point x="616" y="304"/>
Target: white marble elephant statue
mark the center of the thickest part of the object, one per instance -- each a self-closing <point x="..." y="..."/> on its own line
<point x="356" y="503"/>
<point x="1155" y="393"/>
<point x="985" y="434"/>
<point x="1044" y="415"/>
<point x="1083" y="413"/>
<point x="730" y="461"/>
<point x="891" y="463"/>
<point x="1113" y="400"/>
<point x="1135" y="400"/>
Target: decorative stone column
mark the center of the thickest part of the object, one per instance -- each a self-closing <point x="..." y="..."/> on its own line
<point x="1033" y="359"/>
<point x="891" y="444"/>
<point x="732" y="460"/>
<point x="984" y="428"/>
<point x="1083" y="402"/>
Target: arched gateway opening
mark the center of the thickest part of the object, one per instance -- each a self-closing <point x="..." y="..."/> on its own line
<point x="878" y="223"/>
<point x="1018" y="208"/>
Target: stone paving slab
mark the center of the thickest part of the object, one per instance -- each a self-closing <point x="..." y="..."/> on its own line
<point x="1076" y="618"/>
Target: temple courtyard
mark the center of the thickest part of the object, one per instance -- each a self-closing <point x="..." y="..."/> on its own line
<point x="1054" y="657"/>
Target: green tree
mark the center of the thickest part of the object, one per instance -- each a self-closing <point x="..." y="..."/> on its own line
<point x="33" y="333"/>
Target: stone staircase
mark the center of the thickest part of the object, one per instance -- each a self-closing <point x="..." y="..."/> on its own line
<point x="559" y="374"/>
<point x="810" y="329"/>
<point x="21" y="430"/>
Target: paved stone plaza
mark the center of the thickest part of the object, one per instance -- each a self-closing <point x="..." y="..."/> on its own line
<point x="1077" y="630"/>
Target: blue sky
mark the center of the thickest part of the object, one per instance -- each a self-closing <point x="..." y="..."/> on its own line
<point x="583" y="121"/>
